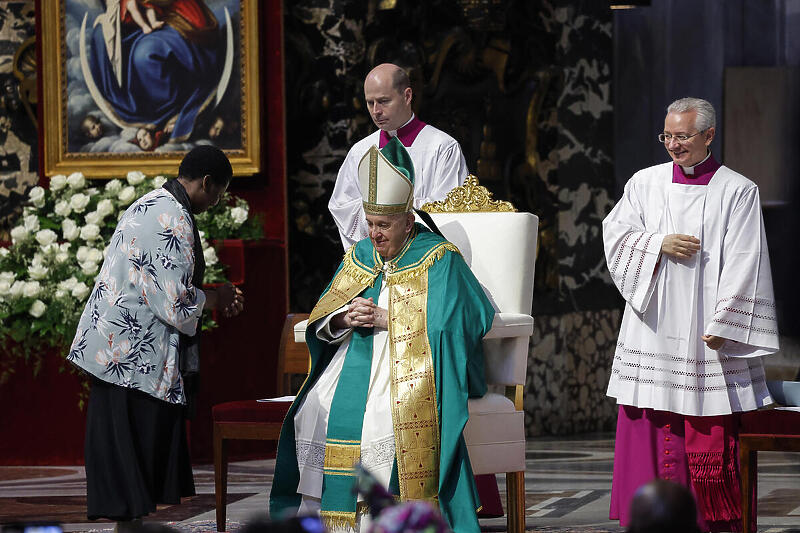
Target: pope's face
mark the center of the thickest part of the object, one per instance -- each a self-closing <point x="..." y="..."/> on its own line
<point x="388" y="232"/>
<point x="692" y="150"/>
<point x="388" y="107"/>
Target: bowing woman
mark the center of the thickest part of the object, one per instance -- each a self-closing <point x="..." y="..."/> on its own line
<point x="138" y="340"/>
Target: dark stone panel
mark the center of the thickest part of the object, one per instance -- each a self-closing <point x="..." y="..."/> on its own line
<point x="490" y="75"/>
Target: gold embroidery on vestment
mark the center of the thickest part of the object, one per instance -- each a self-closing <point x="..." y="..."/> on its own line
<point x="341" y="456"/>
<point x="413" y="391"/>
<point x="352" y="278"/>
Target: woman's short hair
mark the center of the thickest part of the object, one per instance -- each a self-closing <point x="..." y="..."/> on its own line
<point x="206" y="160"/>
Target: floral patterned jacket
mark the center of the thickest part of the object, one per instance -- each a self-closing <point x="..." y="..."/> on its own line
<point x="142" y="299"/>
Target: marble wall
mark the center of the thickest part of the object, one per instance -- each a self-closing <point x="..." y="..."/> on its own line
<point x="577" y="324"/>
<point x="18" y="137"/>
<point x="525" y="87"/>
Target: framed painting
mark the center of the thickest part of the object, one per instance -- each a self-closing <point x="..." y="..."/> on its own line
<point x="135" y="84"/>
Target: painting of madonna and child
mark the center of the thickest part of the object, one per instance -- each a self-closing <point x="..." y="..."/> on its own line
<point x="149" y="76"/>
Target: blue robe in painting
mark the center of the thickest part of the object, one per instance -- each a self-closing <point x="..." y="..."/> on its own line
<point x="163" y="75"/>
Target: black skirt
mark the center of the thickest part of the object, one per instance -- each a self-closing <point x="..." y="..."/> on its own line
<point x="136" y="453"/>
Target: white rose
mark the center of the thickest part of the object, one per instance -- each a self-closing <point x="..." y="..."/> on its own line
<point x="36" y="196"/>
<point x="135" y="177"/>
<point x="3" y="251"/>
<point x="17" y="288"/>
<point x="113" y="186"/>
<point x="7" y="277"/>
<point x="105" y="207"/>
<point x="239" y="215"/>
<point x="80" y="290"/>
<point x="78" y="202"/>
<point x="62" y="257"/>
<point x="127" y="195"/>
<point x="62" y="208"/>
<point x="76" y="180"/>
<point x="38" y="271"/>
<point x="31" y="223"/>
<point x="37" y="309"/>
<point x="51" y="248"/>
<point x="90" y="232"/>
<point x="93" y="191"/>
<point x="31" y="289"/>
<point x="94" y="255"/>
<point x="159" y="181"/>
<point x="37" y="259"/>
<point x="5" y="287"/>
<point x="60" y="293"/>
<point x="64" y="247"/>
<point x="69" y="229"/>
<point x="210" y="256"/>
<point x="58" y="182"/>
<point x="68" y="284"/>
<point x="18" y="233"/>
<point x="93" y="218"/>
<point x="46" y="236"/>
<point x="89" y="268"/>
<point x="82" y="254"/>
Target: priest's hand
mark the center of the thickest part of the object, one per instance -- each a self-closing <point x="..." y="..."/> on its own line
<point x="361" y="312"/>
<point x="713" y="342"/>
<point x="680" y="246"/>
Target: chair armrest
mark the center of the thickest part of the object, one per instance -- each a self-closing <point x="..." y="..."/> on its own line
<point x="510" y="325"/>
<point x="505" y="325"/>
<point x="300" y="331"/>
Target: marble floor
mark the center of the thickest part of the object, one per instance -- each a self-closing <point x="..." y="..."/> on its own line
<point x="567" y="489"/>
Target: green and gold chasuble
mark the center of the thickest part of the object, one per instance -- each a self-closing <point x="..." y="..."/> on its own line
<point x="438" y="314"/>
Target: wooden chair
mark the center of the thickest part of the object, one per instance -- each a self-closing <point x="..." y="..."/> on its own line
<point x="252" y="420"/>
<point x="776" y="430"/>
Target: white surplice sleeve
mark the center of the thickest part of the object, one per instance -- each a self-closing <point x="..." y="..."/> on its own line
<point x="345" y="204"/>
<point x="632" y="250"/>
<point x="745" y="306"/>
<point x="448" y="172"/>
<point x="327" y="333"/>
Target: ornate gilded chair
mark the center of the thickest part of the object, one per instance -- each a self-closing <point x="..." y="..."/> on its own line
<point x="499" y="245"/>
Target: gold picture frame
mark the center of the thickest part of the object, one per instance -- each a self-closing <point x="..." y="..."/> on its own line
<point x="118" y="98"/>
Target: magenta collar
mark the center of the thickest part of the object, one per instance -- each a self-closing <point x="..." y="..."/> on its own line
<point x="406" y="134"/>
<point x="702" y="173"/>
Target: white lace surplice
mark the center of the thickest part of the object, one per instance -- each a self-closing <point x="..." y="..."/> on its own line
<point x="725" y="289"/>
<point x="377" y="433"/>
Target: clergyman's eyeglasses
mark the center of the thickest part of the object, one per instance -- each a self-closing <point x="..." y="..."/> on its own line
<point x="667" y="137"/>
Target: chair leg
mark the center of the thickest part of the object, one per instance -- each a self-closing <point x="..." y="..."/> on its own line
<point x="515" y="501"/>
<point x="220" y="476"/>
<point x="748" y="464"/>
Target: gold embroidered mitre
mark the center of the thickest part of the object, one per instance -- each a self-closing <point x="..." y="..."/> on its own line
<point x="386" y="177"/>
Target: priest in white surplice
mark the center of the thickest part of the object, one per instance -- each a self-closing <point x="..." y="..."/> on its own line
<point x="686" y="248"/>
<point x="439" y="165"/>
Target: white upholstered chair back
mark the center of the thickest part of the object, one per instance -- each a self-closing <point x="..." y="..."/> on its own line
<point x="500" y="248"/>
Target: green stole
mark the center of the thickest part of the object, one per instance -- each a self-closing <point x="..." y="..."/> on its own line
<point x="343" y="442"/>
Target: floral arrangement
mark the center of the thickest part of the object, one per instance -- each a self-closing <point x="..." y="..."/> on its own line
<point x="57" y="249"/>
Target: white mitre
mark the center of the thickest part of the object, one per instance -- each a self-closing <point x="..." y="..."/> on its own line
<point x="386" y="178"/>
